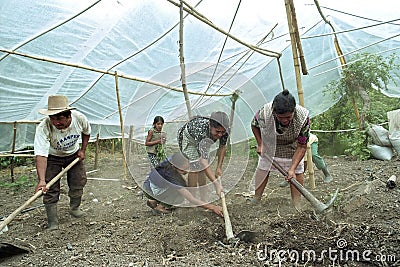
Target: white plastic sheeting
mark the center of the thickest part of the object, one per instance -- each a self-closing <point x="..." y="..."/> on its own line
<point x="74" y="47"/>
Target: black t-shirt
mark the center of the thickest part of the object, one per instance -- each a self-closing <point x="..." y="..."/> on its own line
<point x="166" y="175"/>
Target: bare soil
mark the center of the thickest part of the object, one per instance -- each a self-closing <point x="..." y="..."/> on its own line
<point x="361" y="229"/>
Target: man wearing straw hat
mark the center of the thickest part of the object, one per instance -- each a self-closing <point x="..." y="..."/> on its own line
<point x="56" y="146"/>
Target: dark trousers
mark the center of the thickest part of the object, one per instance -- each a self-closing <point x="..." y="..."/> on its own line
<point x="76" y="178"/>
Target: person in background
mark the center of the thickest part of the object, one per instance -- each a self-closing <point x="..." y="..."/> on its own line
<point x="155" y="141"/>
<point x="317" y="159"/>
<point x="56" y="145"/>
<point x="281" y="129"/>
<point x="165" y="187"/>
<point x="195" y="139"/>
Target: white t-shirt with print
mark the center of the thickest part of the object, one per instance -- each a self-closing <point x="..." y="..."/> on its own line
<point x="51" y="141"/>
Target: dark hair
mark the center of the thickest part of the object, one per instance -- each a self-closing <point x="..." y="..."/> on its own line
<point x="158" y="119"/>
<point x="219" y="119"/>
<point x="65" y="113"/>
<point x="283" y="102"/>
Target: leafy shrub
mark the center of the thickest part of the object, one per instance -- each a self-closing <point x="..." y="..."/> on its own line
<point x="5" y="162"/>
<point x="360" y="90"/>
<point x="24" y="181"/>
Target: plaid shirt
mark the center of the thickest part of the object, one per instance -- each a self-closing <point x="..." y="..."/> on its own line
<point x="303" y="136"/>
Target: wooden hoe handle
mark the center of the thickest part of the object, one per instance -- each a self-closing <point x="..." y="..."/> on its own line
<point x="36" y="195"/>
<point x="228" y="225"/>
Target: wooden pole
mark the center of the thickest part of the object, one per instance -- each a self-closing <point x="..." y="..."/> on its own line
<point x="17" y="155"/>
<point x="280" y="74"/>
<point x="12" y="151"/>
<point x="36" y="195"/>
<point x="13" y="154"/>
<point x="292" y="30"/>
<point x="20" y="121"/>
<point x="339" y="52"/>
<point x="203" y="19"/>
<point x="96" y="153"/>
<point x="227" y="220"/>
<point x="182" y="62"/>
<point x="234" y="98"/>
<point x="129" y="145"/>
<point x="107" y="72"/>
<point x="121" y="123"/>
<point x="297" y="38"/>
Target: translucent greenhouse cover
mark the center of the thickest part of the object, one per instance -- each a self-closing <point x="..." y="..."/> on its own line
<point x="119" y="60"/>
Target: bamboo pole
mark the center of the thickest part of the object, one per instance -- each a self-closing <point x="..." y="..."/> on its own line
<point x="50" y="29"/>
<point x="16" y="155"/>
<point x="280" y="73"/>
<point x="107" y="72"/>
<point x="13" y="150"/>
<point x="96" y="153"/>
<point x="12" y="153"/>
<point x="248" y="54"/>
<point x="233" y="98"/>
<point x="182" y="62"/>
<point x="20" y="122"/>
<point x="121" y="123"/>
<point x="202" y="18"/>
<point x="342" y="60"/>
<point x="292" y="30"/>
<point x="297" y="38"/>
<point x="295" y="53"/>
<point x="129" y="145"/>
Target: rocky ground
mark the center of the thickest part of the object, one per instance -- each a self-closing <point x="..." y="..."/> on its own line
<point x="361" y="229"/>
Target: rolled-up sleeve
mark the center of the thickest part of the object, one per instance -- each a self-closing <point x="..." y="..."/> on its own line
<point x="304" y="134"/>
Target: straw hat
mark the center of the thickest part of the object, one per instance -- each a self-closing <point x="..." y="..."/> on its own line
<point x="56" y="104"/>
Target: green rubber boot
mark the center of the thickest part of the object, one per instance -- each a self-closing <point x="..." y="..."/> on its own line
<point x="52" y="220"/>
<point x="75" y="211"/>
<point x="328" y="178"/>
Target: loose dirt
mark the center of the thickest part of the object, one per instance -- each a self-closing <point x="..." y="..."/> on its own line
<point x="361" y="229"/>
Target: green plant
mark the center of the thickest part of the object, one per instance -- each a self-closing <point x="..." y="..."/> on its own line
<point x="5" y="162"/>
<point x="17" y="161"/>
<point x="357" y="148"/>
<point x="160" y="152"/>
<point x="360" y="90"/>
<point x="364" y="74"/>
<point x="253" y="145"/>
<point x="24" y="181"/>
<point x="338" y="200"/>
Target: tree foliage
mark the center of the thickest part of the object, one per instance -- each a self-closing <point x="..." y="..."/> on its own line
<point x="361" y="104"/>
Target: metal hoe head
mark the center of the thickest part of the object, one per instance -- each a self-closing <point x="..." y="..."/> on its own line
<point x="318" y="205"/>
<point x="246" y="236"/>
